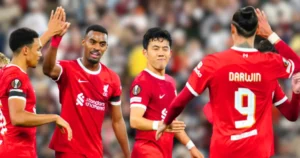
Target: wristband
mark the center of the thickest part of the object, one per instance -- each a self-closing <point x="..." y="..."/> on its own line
<point x="155" y="125"/>
<point x="55" y="41"/>
<point x="273" y="38"/>
<point x="190" y="145"/>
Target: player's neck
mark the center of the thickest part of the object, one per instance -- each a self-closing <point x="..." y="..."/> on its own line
<point x="88" y="65"/>
<point x="155" y="71"/>
<point x="244" y="42"/>
<point x="20" y="63"/>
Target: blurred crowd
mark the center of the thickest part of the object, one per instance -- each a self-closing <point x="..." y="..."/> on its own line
<point x="198" y="28"/>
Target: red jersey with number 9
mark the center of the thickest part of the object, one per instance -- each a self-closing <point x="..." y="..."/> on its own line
<point x="241" y="82"/>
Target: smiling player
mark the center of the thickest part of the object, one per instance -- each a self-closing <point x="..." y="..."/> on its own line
<point x="87" y="88"/>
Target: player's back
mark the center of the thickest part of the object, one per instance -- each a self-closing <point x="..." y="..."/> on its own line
<point x="17" y="141"/>
<point x="241" y="85"/>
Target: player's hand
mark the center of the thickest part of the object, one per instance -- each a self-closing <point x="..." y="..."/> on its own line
<point x="176" y="126"/>
<point x="56" y="25"/>
<point x="195" y="153"/>
<point x="264" y="29"/>
<point x="66" y="25"/>
<point x="296" y="83"/>
<point x="64" y="125"/>
<point x="161" y="128"/>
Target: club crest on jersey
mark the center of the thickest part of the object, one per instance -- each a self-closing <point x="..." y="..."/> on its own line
<point x="136" y="90"/>
<point x="105" y="90"/>
<point x="16" y="83"/>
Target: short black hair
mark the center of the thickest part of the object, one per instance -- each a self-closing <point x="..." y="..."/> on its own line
<point x="156" y="33"/>
<point x="97" y="28"/>
<point x="21" y="37"/>
<point x="263" y="45"/>
<point x="245" y="21"/>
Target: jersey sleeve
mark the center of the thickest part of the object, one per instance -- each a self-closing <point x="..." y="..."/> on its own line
<point x="201" y="76"/>
<point x="63" y="64"/>
<point x="279" y="67"/>
<point x="115" y="99"/>
<point x="279" y="97"/>
<point x="17" y="86"/>
<point x="139" y="94"/>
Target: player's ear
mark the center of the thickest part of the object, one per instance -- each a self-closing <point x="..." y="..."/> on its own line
<point x="233" y="29"/>
<point x="83" y="42"/>
<point x="25" y="50"/>
<point x="145" y="52"/>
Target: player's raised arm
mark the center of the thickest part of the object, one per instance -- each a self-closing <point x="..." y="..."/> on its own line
<point x="184" y="139"/>
<point x="49" y="66"/>
<point x="264" y="30"/>
<point x="55" y="25"/>
<point x="289" y="109"/>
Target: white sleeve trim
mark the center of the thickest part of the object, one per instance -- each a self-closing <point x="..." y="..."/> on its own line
<point x="273" y="38"/>
<point x="16" y="90"/>
<point x="61" y="71"/>
<point x="17" y="97"/>
<point x="135" y="99"/>
<point x="191" y="89"/>
<point x="280" y="101"/>
<point x="138" y="106"/>
<point x="116" y="103"/>
<point x="293" y="68"/>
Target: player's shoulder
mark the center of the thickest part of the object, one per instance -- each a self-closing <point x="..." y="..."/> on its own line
<point x="67" y="62"/>
<point x="13" y="75"/>
<point x="170" y="79"/>
<point x="109" y="72"/>
<point x="269" y="56"/>
<point x="12" y="71"/>
<point x="142" y="78"/>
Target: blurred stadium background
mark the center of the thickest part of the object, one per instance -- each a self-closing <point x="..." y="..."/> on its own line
<point x="198" y="27"/>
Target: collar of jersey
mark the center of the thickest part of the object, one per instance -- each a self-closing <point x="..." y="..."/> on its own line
<point x="241" y="49"/>
<point x="9" y="65"/>
<point x="87" y="70"/>
<point x="155" y="75"/>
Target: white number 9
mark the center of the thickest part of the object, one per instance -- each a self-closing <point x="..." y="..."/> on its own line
<point x="249" y="110"/>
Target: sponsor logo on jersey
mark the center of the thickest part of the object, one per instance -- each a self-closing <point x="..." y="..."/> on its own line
<point x="136" y="90"/>
<point x="81" y="101"/>
<point x="164" y="113"/>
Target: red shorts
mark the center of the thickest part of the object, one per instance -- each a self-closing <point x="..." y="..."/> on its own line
<point x="148" y="149"/>
<point x="68" y="155"/>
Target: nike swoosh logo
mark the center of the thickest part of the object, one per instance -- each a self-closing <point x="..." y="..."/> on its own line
<point x="161" y="96"/>
<point x="81" y="81"/>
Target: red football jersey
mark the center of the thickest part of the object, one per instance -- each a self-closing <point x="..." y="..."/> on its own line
<point x="240" y="82"/>
<point x="278" y="97"/>
<point x="154" y="93"/>
<point x="85" y="95"/>
<point x="17" y="141"/>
